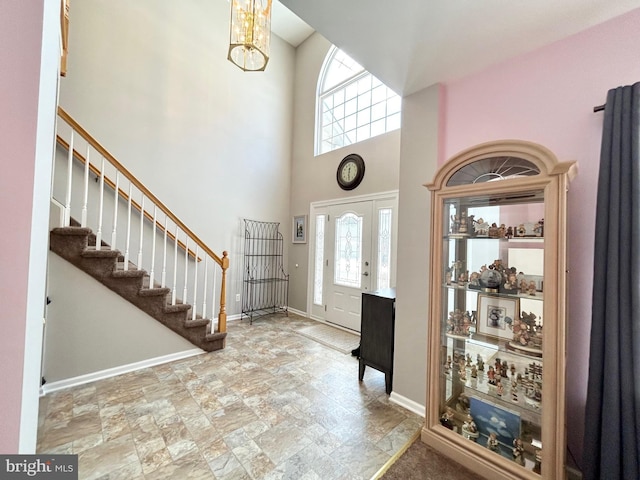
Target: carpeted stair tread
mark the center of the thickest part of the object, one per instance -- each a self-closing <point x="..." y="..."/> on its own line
<point x="153" y="292"/>
<point x="129" y="273"/>
<point x="92" y="252"/>
<point x="145" y="283"/>
<point x="216" y="336"/>
<point x="72" y="231"/>
<point x="77" y="245"/>
<point x="198" y="322"/>
<point x="120" y="265"/>
<point x="178" y="307"/>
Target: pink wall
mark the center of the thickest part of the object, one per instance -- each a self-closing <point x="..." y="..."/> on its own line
<point x="547" y="97"/>
<point x="21" y="37"/>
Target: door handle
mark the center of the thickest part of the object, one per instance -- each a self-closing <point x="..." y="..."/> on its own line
<point x="366" y="274"/>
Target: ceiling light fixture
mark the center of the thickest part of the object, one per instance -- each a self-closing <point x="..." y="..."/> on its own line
<point x="250" y="34"/>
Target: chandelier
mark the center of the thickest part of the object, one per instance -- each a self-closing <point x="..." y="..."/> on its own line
<point x="250" y="34"/>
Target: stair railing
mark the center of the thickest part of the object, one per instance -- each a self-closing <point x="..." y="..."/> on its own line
<point x="118" y="190"/>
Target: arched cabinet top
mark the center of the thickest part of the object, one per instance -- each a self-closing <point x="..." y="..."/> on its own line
<point x="498" y="161"/>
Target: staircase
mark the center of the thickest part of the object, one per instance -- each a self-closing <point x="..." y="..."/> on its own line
<point x="77" y="246"/>
<point x="138" y="221"/>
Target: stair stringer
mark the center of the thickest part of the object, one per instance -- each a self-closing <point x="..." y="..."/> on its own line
<point x="72" y="244"/>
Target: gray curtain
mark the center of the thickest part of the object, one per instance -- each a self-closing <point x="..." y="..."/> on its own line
<point x="612" y="418"/>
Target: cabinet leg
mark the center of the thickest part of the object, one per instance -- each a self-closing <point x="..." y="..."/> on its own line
<point x="361" y="370"/>
<point x="387" y="382"/>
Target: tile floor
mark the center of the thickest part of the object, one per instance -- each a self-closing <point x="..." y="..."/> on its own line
<point x="272" y="405"/>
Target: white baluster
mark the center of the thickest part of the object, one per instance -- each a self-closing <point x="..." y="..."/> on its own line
<point x="141" y="233"/>
<point x="213" y="301"/>
<point x="175" y="268"/>
<point x="100" y="207"/>
<point x="153" y="247"/>
<point x="186" y="268"/>
<point x="195" y="287"/>
<point x="85" y="199"/>
<point x="164" y="254"/>
<point x="67" y="201"/>
<point x="204" y="288"/>
<point x="115" y="211"/>
<point x="126" y="250"/>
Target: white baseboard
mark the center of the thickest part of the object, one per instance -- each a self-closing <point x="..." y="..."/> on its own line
<point x="410" y="405"/>
<point x="112" y="372"/>
<point x="298" y="312"/>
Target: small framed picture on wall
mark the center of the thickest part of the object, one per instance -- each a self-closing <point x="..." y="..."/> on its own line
<point x="300" y="229"/>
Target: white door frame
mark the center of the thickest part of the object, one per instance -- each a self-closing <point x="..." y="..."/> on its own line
<point x="318" y="207"/>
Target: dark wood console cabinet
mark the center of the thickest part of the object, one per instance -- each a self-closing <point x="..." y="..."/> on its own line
<point x="377" y="333"/>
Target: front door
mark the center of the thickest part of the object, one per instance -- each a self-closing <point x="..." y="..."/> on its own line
<point x="348" y="262"/>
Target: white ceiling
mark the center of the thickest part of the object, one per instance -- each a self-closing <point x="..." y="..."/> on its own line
<point x="413" y="44"/>
<point x="287" y="25"/>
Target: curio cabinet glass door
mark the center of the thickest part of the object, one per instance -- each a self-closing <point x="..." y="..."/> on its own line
<point x="495" y="377"/>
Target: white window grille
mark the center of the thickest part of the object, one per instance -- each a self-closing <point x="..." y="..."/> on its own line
<point x="352" y="104"/>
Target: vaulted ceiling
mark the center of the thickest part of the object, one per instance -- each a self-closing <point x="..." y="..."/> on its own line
<point x="413" y="44"/>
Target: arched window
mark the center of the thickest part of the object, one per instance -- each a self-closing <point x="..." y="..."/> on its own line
<point x="353" y="105"/>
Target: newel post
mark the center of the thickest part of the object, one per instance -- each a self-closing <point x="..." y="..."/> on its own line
<point x="222" y="316"/>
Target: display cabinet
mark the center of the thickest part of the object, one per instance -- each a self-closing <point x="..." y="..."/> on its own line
<point x="496" y="327"/>
<point x="377" y="333"/>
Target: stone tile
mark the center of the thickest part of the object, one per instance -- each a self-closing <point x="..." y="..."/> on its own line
<point x="204" y="435"/>
<point x="152" y="451"/>
<point x="397" y="438"/>
<point x="85" y="408"/>
<point x="231" y="418"/>
<point x="181" y="448"/>
<point x="256" y="428"/>
<point x="65" y="431"/>
<point x="236" y="438"/>
<point x="257" y="466"/>
<point x="189" y="467"/>
<point x="106" y="457"/>
<point x="271" y="405"/>
<point x="131" y="471"/>
<point x="64" y="449"/>
<point x="360" y="457"/>
<point x="214" y="449"/>
<point x="282" y="441"/>
<point x="115" y="425"/>
<point x="224" y="466"/>
<point x="84" y="443"/>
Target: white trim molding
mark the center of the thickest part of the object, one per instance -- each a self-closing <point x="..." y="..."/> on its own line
<point x="115" y="371"/>
<point x="319" y="205"/>
<point x="298" y="312"/>
<point x="410" y="405"/>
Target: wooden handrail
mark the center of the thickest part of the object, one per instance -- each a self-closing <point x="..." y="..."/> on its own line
<point x="96" y="171"/>
<point x="64" y="31"/>
<point x="111" y="159"/>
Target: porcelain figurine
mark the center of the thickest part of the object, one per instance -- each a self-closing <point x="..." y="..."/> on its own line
<point x="491" y="375"/>
<point x="492" y="442"/>
<point x="446" y="419"/>
<point x="470" y="429"/>
<point x="480" y="363"/>
<point x="518" y="451"/>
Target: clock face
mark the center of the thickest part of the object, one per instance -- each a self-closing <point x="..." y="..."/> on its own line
<point x="350" y="172"/>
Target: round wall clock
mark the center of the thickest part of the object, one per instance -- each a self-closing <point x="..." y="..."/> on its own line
<point x="350" y="171"/>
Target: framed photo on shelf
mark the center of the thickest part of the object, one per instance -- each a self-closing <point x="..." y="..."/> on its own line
<point x="299" y="229"/>
<point x="496" y="314"/>
<point x="490" y="418"/>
